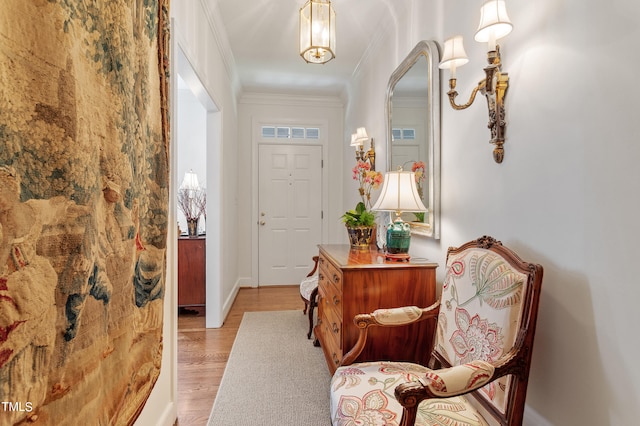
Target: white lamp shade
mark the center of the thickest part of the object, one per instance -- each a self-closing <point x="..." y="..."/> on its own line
<point x="361" y="136"/>
<point x="354" y="140"/>
<point x="399" y="193"/>
<point x="494" y="22"/>
<point x="317" y="31"/>
<point x="454" y="54"/>
<point x="190" y="181"/>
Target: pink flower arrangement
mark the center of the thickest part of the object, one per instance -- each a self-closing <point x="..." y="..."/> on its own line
<point x="368" y="180"/>
<point x="419" y="169"/>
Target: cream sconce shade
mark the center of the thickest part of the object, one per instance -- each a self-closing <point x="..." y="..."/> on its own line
<point x="358" y="140"/>
<point x="454" y="55"/>
<point x="399" y="194"/>
<point x="360" y="136"/>
<point x="317" y="31"/>
<point x="494" y="24"/>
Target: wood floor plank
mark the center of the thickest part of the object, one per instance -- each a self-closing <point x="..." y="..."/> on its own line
<point x="203" y="352"/>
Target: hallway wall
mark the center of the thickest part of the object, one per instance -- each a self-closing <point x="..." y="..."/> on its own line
<point x="566" y="194"/>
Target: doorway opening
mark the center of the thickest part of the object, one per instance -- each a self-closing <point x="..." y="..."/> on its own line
<point x="198" y="138"/>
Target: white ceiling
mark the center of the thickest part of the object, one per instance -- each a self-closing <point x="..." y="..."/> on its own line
<point x="263" y="38"/>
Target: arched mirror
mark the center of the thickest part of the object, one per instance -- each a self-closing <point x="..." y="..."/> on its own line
<point x="413" y="130"/>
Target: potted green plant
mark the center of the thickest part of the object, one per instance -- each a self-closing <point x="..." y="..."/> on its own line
<point x="360" y="222"/>
<point x="360" y="216"/>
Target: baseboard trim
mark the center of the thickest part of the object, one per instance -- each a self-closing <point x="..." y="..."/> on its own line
<point x="167" y="418"/>
<point x="532" y="418"/>
<point x="228" y="303"/>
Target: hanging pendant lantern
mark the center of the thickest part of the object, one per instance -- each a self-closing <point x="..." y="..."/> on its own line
<point x="317" y="31"/>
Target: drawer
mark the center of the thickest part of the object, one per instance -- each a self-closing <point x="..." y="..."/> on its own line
<point x="329" y="272"/>
<point x="331" y="319"/>
<point x="332" y="301"/>
<point x="330" y="346"/>
<point x="333" y="353"/>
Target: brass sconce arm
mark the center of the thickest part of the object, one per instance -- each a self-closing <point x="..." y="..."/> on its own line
<point x="452" y="93"/>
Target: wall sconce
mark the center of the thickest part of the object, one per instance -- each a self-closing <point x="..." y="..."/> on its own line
<point x="317" y="32"/>
<point x="494" y="24"/>
<point x="357" y="140"/>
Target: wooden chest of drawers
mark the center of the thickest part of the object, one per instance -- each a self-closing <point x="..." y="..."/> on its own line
<point x="352" y="282"/>
<point x="191" y="271"/>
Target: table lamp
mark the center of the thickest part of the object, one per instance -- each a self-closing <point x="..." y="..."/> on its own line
<point x="399" y="194"/>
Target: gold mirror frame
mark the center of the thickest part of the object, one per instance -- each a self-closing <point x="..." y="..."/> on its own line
<point x="427" y="50"/>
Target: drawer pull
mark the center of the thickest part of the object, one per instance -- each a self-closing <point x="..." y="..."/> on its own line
<point x="336" y="301"/>
<point x="336" y="361"/>
<point x="336" y="329"/>
<point x="320" y="276"/>
<point x="336" y="278"/>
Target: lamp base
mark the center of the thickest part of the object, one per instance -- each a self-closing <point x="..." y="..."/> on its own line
<point x="397" y="257"/>
<point x="398" y="240"/>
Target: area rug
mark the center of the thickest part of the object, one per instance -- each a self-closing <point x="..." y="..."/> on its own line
<point x="84" y="187"/>
<point x="274" y="376"/>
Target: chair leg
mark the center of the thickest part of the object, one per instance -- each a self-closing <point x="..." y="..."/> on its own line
<point x="304" y="311"/>
<point x="313" y="302"/>
<point x="311" y="306"/>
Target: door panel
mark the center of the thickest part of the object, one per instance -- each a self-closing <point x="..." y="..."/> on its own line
<point x="290" y="205"/>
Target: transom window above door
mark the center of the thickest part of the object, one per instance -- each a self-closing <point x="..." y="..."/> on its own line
<point x="286" y="132"/>
<point x="403" y="134"/>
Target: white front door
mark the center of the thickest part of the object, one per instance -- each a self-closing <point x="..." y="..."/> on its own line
<point x="290" y="211"/>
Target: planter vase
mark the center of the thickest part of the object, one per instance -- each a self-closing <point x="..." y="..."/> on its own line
<point x="361" y="237"/>
<point x="192" y="227"/>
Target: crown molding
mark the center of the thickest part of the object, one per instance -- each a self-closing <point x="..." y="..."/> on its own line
<point x="290" y="100"/>
<point x="218" y="29"/>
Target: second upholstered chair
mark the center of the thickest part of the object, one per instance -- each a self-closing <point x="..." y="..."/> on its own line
<point x="309" y="293"/>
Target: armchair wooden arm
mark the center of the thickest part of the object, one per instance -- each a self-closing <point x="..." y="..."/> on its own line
<point x="394" y="317"/>
<point x="443" y="383"/>
<point x="315" y="266"/>
<point x="466" y="378"/>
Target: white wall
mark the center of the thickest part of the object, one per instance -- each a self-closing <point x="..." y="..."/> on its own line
<point x="566" y="194"/>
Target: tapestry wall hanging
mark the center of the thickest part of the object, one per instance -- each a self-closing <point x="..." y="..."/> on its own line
<point x="84" y="174"/>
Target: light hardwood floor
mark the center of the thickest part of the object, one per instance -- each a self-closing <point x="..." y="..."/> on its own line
<point x="203" y="352"/>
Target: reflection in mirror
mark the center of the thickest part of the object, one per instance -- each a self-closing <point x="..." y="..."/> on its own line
<point x="413" y="136"/>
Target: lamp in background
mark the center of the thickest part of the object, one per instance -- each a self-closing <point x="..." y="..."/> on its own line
<point x="317" y="31"/>
<point x="494" y="24"/>
<point x="399" y="194"/>
<point x="190" y="181"/>
<point x="357" y="140"/>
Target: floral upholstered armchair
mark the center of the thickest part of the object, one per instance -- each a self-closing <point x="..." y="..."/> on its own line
<point x="479" y="364"/>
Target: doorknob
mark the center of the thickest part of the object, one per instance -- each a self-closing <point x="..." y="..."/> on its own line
<point x="262" y="222"/>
